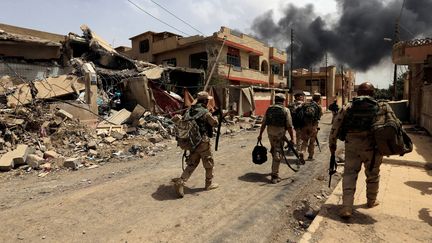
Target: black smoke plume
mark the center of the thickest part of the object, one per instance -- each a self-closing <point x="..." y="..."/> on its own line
<point x="355" y="38"/>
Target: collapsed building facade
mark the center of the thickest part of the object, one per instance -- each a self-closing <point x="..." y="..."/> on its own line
<point x="72" y="93"/>
<point x="247" y="72"/>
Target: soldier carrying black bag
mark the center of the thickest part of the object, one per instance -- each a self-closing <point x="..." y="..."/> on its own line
<point x="278" y="121"/>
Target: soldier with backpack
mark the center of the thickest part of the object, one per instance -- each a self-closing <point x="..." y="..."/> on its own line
<point x="294" y="106"/>
<point x="193" y="134"/>
<point x="359" y="124"/>
<point x="308" y="116"/>
<point x="278" y="121"/>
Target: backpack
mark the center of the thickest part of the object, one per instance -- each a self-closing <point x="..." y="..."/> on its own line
<point x="259" y="154"/>
<point x="360" y="116"/>
<point x="390" y="137"/>
<point x="306" y="113"/>
<point x="187" y="131"/>
<point x="276" y="116"/>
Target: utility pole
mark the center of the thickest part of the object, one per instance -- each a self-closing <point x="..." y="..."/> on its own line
<point x="291" y="62"/>
<point x="396" y="40"/>
<point x="326" y="81"/>
<point x="343" y="86"/>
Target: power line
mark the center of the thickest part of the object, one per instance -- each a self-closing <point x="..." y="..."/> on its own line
<point x="137" y="6"/>
<point x="177" y="17"/>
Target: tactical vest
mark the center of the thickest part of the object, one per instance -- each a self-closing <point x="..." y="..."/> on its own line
<point x="276" y="116"/>
<point x="360" y="116"/>
<point x="197" y="113"/>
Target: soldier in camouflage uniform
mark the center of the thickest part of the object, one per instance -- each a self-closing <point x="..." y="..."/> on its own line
<point x="203" y="150"/>
<point x="307" y="134"/>
<point x="354" y="127"/>
<point x="277" y="126"/>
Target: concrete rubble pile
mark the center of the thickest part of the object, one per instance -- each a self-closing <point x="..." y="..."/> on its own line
<point x="73" y="101"/>
<point x="48" y="139"/>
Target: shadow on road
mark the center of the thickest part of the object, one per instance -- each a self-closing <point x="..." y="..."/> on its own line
<point x="332" y="212"/>
<point x="425" y="215"/>
<point x="255" y="177"/>
<point x="424" y="187"/>
<point x="166" y="192"/>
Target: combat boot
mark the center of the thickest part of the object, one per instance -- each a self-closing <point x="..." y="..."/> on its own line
<point x="210" y="185"/>
<point x="275" y="179"/>
<point x="345" y="212"/>
<point x="179" y="186"/>
<point x="372" y="203"/>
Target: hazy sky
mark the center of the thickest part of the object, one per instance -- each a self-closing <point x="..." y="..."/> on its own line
<point x="118" y="20"/>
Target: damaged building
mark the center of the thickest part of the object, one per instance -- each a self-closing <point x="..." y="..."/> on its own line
<point x="67" y="94"/>
<point x="244" y="62"/>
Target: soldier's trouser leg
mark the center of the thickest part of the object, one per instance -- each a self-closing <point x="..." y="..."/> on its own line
<point x="372" y="177"/>
<point x="313" y="134"/>
<point x="298" y="139"/>
<point x="303" y="142"/>
<point x="192" y="162"/>
<point x="276" y="151"/>
<point x="208" y="162"/>
<point x="351" y="169"/>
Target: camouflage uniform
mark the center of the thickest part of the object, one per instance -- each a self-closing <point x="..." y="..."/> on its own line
<point x="359" y="149"/>
<point x="293" y="106"/>
<point x="203" y="151"/>
<point x="306" y="136"/>
<point x="276" y="137"/>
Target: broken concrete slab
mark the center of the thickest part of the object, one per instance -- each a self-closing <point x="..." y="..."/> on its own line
<point x="77" y="110"/>
<point x="120" y="117"/>
<point x="137" y="113"/>
<point x="64" y="114"/>
<point x="91" y="145"/>
<point x="14" y="157"/>
<point x="51" y="154"/>
<point x="93" y="152"/>
<point x="109" y="139"/>
<point x="48" y="88"/>
<point x="72" y="163"/>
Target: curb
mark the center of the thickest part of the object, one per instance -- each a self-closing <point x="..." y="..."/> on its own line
<point x="307" y="236"/>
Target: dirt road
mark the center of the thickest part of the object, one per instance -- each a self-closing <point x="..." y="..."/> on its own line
<point x="134" y="201"/>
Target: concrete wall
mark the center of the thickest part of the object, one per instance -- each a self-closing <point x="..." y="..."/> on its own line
<point x="181" y="55"/>
<point x="426" y="108"/>
<point x="135" y="52"/>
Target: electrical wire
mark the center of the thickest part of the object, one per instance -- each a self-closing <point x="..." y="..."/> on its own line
<point x="177" y="17"/>
<point x="137" y="6"/>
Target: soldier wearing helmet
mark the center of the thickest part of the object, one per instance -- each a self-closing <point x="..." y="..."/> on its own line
<point x="278" y="121"/>
<point x="205" y="121"/>
<point x="353" y="125"/>
<point x="308" y="115"/>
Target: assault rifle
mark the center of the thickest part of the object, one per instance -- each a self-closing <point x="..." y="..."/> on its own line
<point x="220" y="119"/>
<point x="290" y="146"/>
<point x="316" y="140"/>
<point x="332" y="168"/>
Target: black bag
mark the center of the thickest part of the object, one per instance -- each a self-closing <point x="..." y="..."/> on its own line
<point x="259" y="154"/>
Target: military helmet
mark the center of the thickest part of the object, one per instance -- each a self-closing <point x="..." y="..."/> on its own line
<point x="366" y="88"/>
<point x="279" y="96"/>
<point x="203" y="95"/>
<point x="316" y="96"/>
